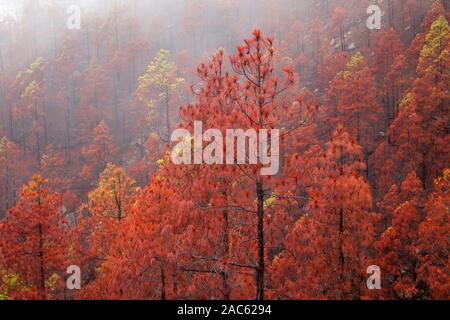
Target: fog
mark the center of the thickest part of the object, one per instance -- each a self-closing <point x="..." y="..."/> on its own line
<point x="88" y="56"/>
<point x="353" y="95"/>
<point x="198" y="26"/>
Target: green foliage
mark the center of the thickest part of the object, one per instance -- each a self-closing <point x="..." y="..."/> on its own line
<point x="10" y="281"/>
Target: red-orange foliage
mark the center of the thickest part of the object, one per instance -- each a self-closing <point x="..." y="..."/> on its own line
<point x="397" y="247"/>
<point x="213" y="231"/>
<point x="98" y="153"/>
<point x="434" y="242"/>
<point x="34" y="242"/>
<point x="351" y="98"/>
<point x="328" y="250"/>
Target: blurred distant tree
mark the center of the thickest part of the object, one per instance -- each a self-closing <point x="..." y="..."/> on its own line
<point x="351" y="100"/>
<point x="10" y="170"/>
<point x="158" y="90"/>
<point x="99" y="152"/>
<point x="29" y="113"/>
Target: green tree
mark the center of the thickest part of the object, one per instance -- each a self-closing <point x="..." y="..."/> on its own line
<point x="159" y="87"/>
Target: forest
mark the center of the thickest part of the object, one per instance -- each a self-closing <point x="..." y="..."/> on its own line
<point x="354" y="92"/>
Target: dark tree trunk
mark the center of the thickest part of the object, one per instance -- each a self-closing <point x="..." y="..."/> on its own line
<point x="261" y="244"/>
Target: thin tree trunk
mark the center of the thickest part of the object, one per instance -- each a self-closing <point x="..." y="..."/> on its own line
<point x="226" y="244"/>
<point x="261" y="243"/>
<point x="167" y="113"/>
<point x="41" y="262"/>
<point x="163" y="282"/>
